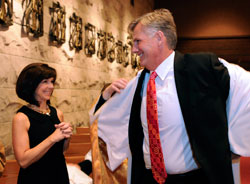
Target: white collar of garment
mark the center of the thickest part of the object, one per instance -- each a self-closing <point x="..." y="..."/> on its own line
<point x="166" y="66"/>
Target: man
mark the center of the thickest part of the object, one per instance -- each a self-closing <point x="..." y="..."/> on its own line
<point x="200" y="114"/>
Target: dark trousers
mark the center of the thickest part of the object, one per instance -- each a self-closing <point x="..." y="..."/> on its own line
<point x="192" y="177"/>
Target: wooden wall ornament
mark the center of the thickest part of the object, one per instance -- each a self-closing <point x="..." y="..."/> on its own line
<point x="32" y="21"/>
<point x="75" y="40"/>
<point x="90" y="33"/>
<point x="57" y="23"/>
<point x="6" y="12"/>
<point x="102" y="44"/>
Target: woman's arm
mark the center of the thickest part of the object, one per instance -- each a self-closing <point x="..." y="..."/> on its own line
<point x="25" y="155"/>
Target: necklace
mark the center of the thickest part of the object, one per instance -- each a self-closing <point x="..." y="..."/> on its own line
<point x="41" y="111"/>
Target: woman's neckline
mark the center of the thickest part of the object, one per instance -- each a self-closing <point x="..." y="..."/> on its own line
<point x="37" y="109"/>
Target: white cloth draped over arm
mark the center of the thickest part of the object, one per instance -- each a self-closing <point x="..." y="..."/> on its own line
<point x="238" y="109"/>
<point x="113" y="119"/>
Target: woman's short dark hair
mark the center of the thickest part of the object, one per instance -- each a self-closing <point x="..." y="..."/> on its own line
<point x="29" y="79"/>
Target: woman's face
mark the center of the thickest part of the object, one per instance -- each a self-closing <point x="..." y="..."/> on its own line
<point x="44" y="90"/>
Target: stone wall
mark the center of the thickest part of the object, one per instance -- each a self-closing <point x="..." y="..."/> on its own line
<point x="80" y="78"/>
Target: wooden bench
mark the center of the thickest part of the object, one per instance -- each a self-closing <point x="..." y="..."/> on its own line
<point x="10" y="173"/>
<point x="82" y="130"/>
<point x="79" y="145"/>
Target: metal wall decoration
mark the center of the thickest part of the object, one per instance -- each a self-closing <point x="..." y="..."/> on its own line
<point x="102" y="44"/>
<point x="32" y="22"/>
<point x="111" y="45"/>
<point x="119" y="52"/>
<point x="134" y="57"/>
<point x="33" y="17"/>
<point x="57" y="23"/>
<point x="122" y="53"/>
<point x="75" y="40"/>
<point x="90" y="38"/>
<point x="125" y="56"/>
<point x="135" y="61"/>
<point x="6" y="12"/>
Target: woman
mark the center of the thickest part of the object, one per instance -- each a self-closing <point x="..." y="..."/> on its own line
<point x="39" y="133"/>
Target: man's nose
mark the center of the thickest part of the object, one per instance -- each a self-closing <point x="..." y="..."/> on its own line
<point x="134" y="49"/>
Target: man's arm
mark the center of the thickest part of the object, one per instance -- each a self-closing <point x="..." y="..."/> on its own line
<point x="109" y="90"/>
<point x="238" y="109"/>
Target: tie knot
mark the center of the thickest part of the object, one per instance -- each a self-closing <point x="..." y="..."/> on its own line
<point x="153" y="75"/>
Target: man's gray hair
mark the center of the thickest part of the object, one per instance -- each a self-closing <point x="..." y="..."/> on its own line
<point x="158" y="20"/>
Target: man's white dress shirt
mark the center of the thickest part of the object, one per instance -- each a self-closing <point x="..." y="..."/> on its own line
<point x="175" y="144"/>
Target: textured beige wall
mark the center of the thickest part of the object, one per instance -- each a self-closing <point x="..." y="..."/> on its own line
<point x="80" y="78"/>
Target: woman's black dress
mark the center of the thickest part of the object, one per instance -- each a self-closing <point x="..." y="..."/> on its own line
<point x="51" y="168"/>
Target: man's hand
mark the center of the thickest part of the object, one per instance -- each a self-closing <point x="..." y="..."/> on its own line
<point x="115" y="86"/>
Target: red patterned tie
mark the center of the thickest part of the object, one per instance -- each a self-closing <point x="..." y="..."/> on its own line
<point x="157" y="161"/>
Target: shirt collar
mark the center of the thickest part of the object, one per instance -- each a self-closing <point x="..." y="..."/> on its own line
<point x="166" y="66"/>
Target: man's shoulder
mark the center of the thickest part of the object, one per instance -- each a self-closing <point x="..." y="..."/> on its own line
<point x="197" y="63"/>
<point x="201" y="59"/>
<point x="200" y="55"/>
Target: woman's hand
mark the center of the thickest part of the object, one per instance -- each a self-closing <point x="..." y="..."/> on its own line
<point x="63" y="130"/>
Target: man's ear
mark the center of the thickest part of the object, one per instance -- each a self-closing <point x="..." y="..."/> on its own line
<point x="160" y="37"/>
